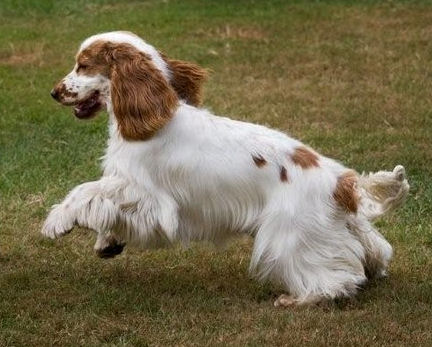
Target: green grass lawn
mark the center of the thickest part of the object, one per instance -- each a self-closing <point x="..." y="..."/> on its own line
<point x="353" y="79"/>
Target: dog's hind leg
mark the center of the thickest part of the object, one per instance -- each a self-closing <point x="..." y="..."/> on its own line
<point x="378" y="250"/>
<point x="382" y="192"/>
<point x="314" y="257"/>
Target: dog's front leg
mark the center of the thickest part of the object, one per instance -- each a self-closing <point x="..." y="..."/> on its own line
<point x="88" y="205"/>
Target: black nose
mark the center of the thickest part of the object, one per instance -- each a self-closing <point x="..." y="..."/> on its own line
<point x="54" y="94"/>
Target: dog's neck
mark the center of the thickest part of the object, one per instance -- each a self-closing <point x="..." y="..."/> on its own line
<point x="114" y="131"/>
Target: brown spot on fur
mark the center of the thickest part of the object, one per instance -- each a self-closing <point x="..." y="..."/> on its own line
<point x="305" y="158"/>
<point x="283" y="174"/>
<point x="259" y="160"/>
<point x="64" y="92"/>
<point x="345" y="193"/>
<point x="187" y="79"/>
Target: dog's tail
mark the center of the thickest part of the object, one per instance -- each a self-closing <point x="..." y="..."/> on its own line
<point x="382" y="191"/>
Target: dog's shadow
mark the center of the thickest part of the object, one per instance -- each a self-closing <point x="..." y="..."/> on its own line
<point x="196" y="289"/>
<point x="194" y="279"/>
<point x="152" y="283"/>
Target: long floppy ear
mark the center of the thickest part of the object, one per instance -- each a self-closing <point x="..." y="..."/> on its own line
<point x="143" y="100"/>
<point x="187" y="80"/>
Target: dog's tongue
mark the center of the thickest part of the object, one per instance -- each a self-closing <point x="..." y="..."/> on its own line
<point x="87" y="107"/>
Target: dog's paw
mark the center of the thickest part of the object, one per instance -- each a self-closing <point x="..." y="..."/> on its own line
<point x="399" y="173"/>
<point x="285" y="300"/>
<point x="58" y="223"/>
<point x="108" y="245"/>
<point x="110" y="251"/>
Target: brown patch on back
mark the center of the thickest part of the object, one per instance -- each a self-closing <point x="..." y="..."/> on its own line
<point x="259" y="160"/>
<point x="305" y="158"/>
<point x="187" y="79"/>
<point x="345" y="193"/>
<point x="283" y="174"/>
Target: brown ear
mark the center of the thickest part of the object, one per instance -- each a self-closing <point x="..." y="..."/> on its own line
<point x="143" y="100"/>
<point x="187" y="79"/>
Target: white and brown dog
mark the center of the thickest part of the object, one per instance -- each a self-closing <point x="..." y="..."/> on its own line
<point x="174" y="172"/>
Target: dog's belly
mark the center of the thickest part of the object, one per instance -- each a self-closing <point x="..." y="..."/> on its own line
<point x="213" y="211"/>
<point x="215" y="221"/>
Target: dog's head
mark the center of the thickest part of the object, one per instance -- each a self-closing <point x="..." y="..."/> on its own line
<point x="119" y="70"/>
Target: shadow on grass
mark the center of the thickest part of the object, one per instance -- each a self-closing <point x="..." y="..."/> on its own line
<point x="195" y="279"/>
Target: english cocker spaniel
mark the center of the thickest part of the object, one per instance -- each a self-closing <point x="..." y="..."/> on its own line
<point x="175" y="172"/>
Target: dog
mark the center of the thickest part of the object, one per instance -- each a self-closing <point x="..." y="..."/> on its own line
<point x="174" y="172"/>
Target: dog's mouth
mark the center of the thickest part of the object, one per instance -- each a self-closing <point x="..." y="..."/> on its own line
<point x="89" y="107"/>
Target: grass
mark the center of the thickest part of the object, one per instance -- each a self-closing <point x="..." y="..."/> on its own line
<point x="351" y="78"/>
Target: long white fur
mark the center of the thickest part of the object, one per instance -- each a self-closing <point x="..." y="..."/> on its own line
<point x="196" y="180"/>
